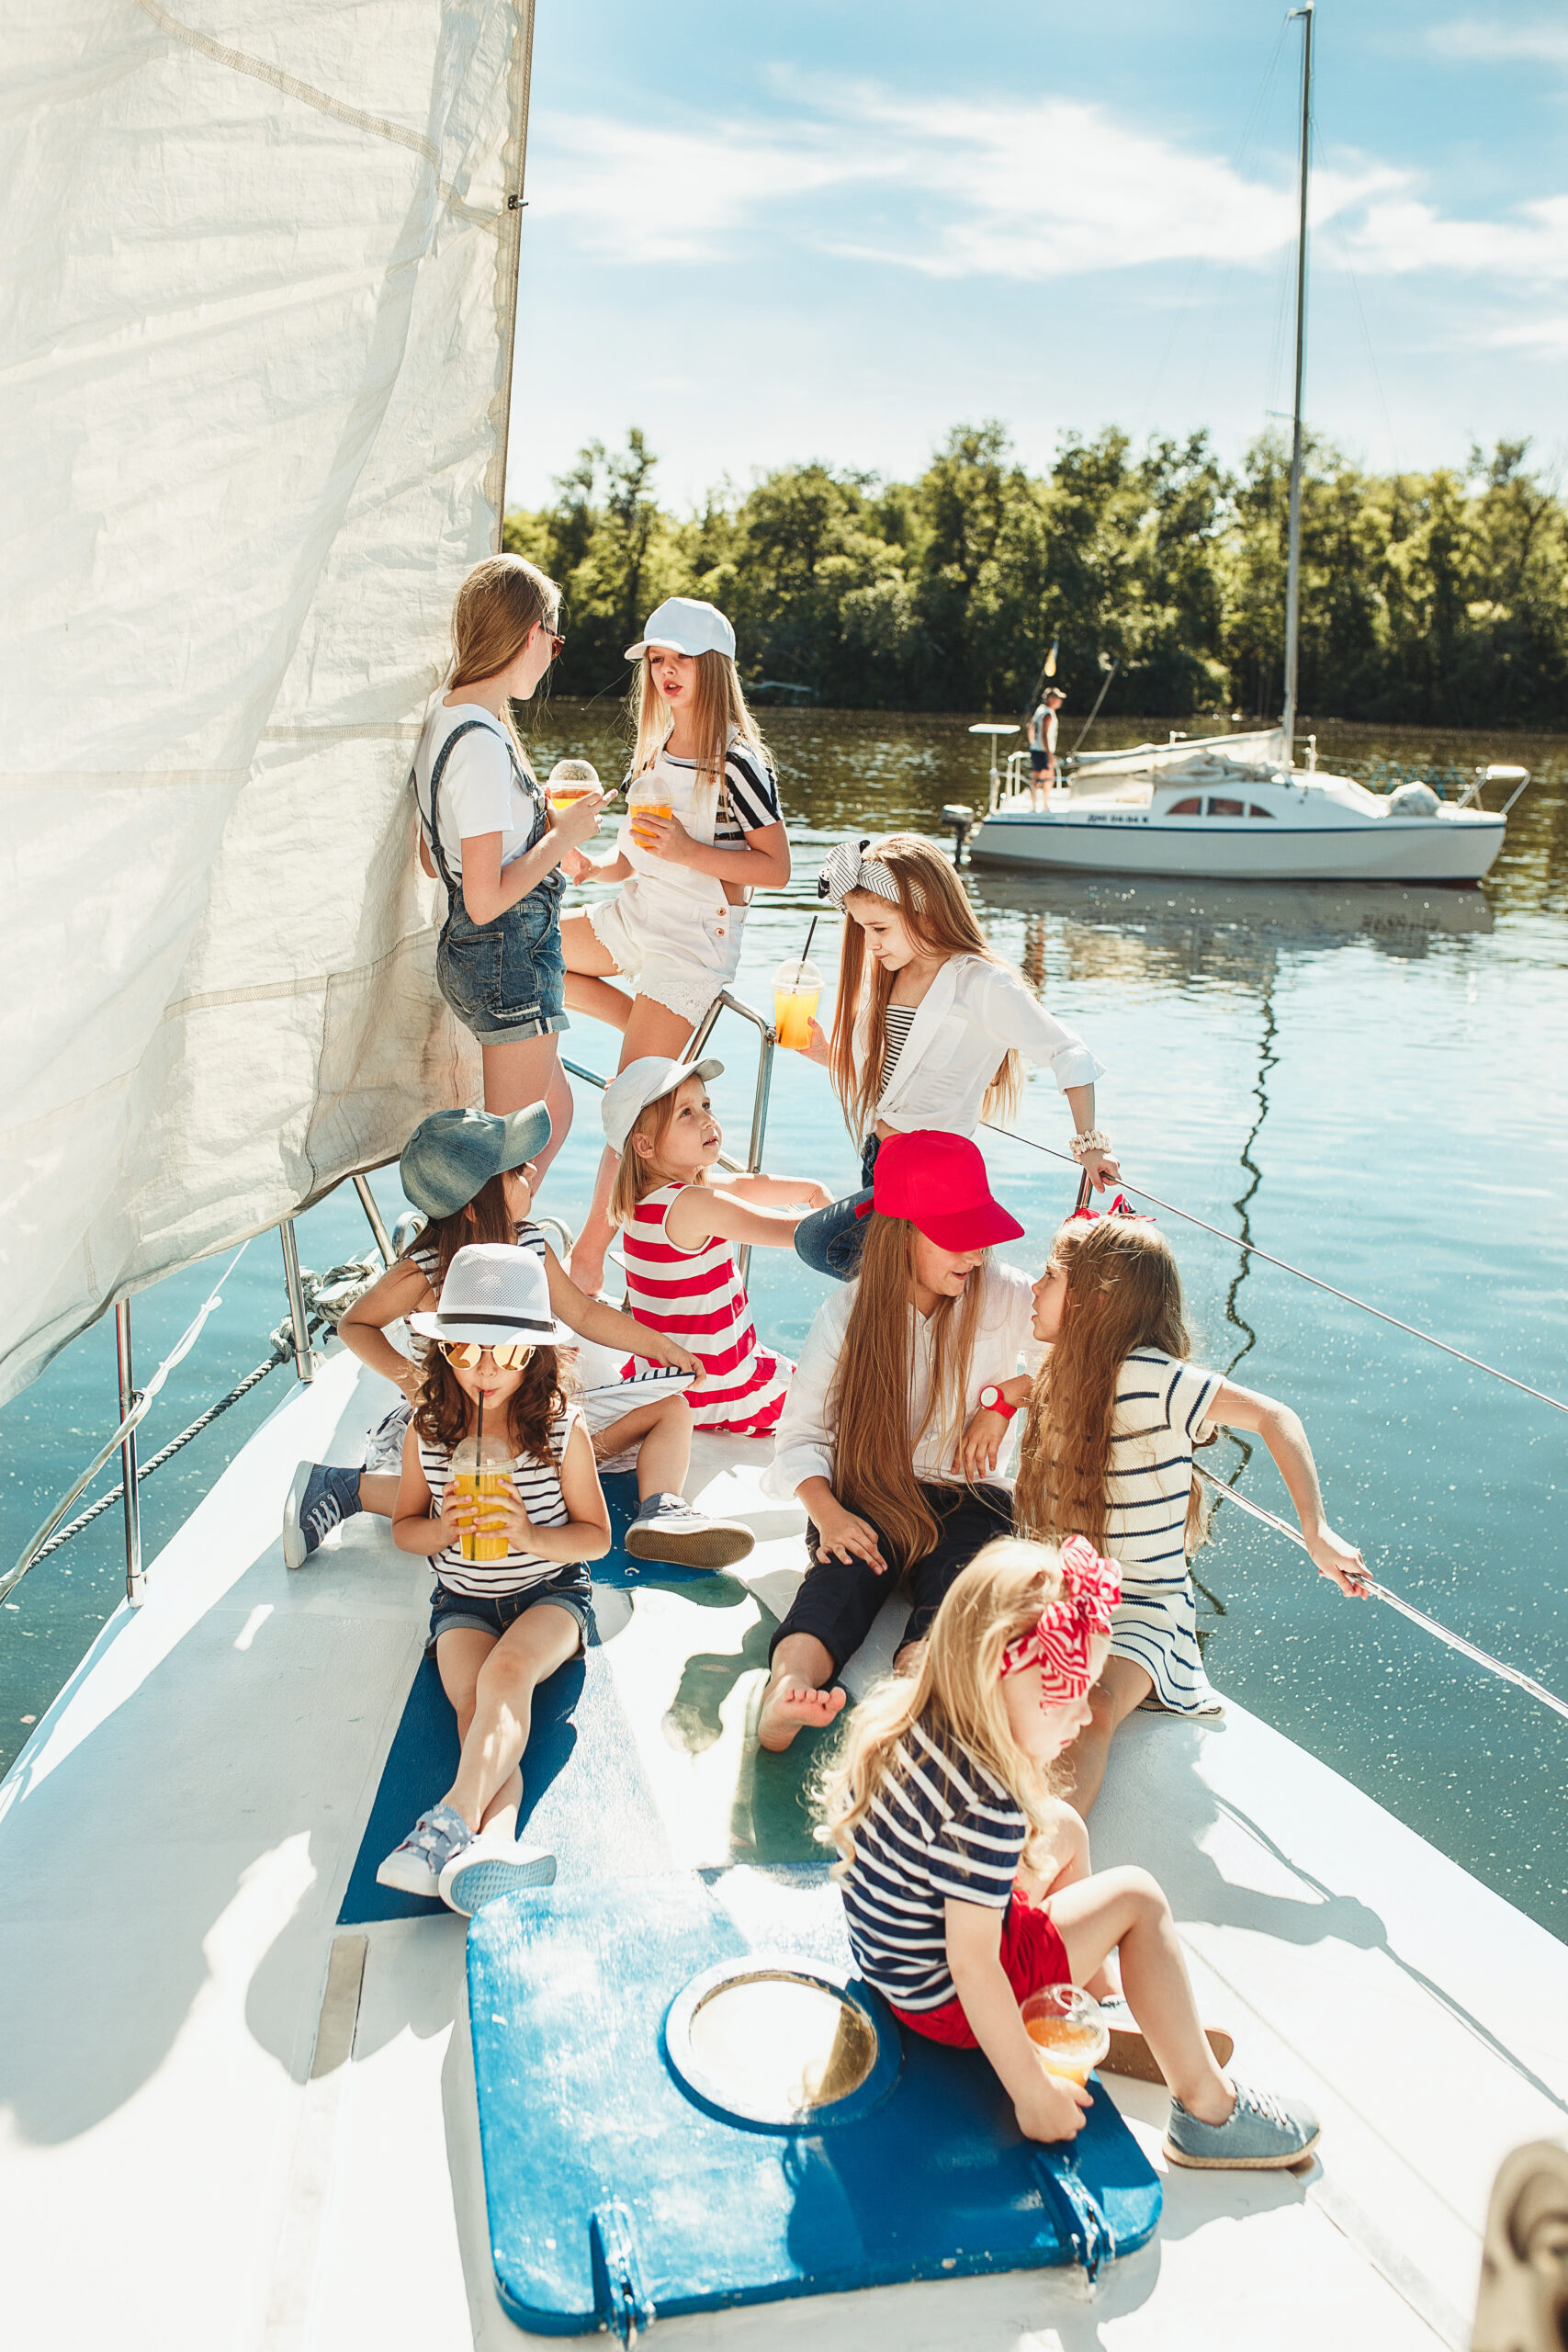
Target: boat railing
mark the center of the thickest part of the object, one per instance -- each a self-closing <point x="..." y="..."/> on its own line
<point x="314" y="1301"/>
<point x="1506" y="773"/>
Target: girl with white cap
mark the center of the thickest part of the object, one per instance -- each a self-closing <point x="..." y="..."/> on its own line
<point x="497" y="1627"/>
<point x="703" y="829"/>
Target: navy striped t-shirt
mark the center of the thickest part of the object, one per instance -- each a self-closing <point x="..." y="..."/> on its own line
<point x="940" y="1825"/>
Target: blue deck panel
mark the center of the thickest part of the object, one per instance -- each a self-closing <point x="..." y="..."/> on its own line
<point x="580" y="2115"/>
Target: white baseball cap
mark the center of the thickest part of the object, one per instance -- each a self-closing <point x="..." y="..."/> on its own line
<point x="685" y="625"/>
<point x="640" y="1083"/>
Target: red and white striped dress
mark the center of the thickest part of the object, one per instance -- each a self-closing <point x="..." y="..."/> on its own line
<point x="696" y="1296"/>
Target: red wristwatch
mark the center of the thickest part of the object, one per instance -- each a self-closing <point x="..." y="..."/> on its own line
<point x="993" y="1401"/>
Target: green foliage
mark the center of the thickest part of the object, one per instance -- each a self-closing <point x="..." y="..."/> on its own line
<point x="1438" y="597"/>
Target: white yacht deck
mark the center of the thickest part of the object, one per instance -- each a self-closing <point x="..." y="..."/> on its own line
<point x="178" y="1835"/>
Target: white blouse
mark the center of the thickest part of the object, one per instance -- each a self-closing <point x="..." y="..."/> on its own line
<point x="804" y="1445"/>
<point x="971" y="1012"/>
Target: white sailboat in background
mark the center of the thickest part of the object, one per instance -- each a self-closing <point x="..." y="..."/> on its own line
<point x="261" y="325"/>
<point x="1236" y="807"/>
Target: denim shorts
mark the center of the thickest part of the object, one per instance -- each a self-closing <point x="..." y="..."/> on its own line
<point x="568" y="1589"/>
<point x="829" y="1240"/>
<point x="506" y="981"/>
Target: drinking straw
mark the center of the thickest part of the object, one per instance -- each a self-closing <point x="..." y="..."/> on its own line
<point x="806" y="951"/>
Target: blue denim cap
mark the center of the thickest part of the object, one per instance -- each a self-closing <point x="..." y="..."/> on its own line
<point x="452" y="1154"/>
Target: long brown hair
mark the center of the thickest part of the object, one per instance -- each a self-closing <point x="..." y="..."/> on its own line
<point x="637" y="1174"/>
<point x="940" y="917"/>
<point x="955" y="1694"/>
<point x="444" y="1413"/>
<point x="1123" y="1292"/>
<point x="868" y="1403"/>
<point x="499" y="604"/>
<point x="718" y="711"/>
<point x="486" y="1217"/>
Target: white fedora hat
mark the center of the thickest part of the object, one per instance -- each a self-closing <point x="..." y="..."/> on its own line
<point x="494" y="1296"/>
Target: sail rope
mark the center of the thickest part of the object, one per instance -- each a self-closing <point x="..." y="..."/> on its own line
<point x="1393" y="1599"/>
<point x="1237" y="1241"/>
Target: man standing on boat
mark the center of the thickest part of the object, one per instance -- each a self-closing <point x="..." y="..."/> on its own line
<point x="1043" y="743"/>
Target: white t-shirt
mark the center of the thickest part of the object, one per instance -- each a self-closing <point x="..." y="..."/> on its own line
<point x="480" y="790"/>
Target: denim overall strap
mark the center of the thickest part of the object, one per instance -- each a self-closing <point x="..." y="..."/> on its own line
<point x="432" y="831"/>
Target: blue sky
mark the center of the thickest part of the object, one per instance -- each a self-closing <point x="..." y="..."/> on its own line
<point x="767" y="232"/>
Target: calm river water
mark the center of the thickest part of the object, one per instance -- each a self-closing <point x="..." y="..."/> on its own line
<point x="1369" y="1081"/>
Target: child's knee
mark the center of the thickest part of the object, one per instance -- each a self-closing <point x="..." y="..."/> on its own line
<point x="1146" y="1895"/>
<point x="507" y="1674"/>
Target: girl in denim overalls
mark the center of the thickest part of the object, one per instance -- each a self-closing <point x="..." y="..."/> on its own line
<point x="487" y="829"/>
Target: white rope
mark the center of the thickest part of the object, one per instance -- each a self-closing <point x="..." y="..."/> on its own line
<point x="176" y="1355"/>
<point x="1380" y="1592"/>
<point x="1413" y="1330"/>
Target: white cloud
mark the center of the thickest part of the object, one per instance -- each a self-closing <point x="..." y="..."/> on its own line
<point x="1483" y="40"/>
<point x="1030" y="192"/>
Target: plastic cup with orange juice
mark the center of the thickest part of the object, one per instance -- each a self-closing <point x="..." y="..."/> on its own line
<point x="483" y="1470"/>
<point x="637" y="809"/>
<point x="571" y="780"/>
<point x="1067" y="2028"/>
<point x="797" y="986"/>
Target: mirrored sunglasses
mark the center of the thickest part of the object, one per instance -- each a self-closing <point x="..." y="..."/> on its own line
<point x="510" y="1356"/>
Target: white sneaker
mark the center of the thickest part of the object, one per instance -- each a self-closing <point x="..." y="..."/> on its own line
<point x="492" y="1866"/>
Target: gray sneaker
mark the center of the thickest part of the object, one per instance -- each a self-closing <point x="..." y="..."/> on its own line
<point x="415" y="1867"/>
<point x="320" y="1497"/>
<point x="666" y="1528"/>
<point x="1261" y="2134"/>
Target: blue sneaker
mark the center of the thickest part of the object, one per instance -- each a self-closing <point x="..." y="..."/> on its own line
<point x="489" y="1867"/>
<point x="1261" y="2134"/>
<point x="321" y="1496"/>
<point x="415" y="1867"/>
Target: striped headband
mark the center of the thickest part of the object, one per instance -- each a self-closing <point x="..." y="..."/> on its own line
<point x="846" y="868"/>
<point x="1059" y="1641"/>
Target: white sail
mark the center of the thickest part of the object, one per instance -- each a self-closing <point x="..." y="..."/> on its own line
<point x="257" y="333"/>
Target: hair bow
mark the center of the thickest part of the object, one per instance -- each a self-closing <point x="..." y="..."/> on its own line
<point x="846" y="868"/>
<point x="1059" y="1641"/>
<point x="1119" y="1207"/>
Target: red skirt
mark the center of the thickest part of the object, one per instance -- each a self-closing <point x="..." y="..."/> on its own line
<point x="1033" y="1956"/>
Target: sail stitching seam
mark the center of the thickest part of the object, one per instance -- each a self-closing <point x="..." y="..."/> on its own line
<point x="356" y="117"/>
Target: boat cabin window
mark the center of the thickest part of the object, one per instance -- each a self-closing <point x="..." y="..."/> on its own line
<point x="1193" y="807"/>
<point x="1218" y="807"/>
<point x="1255" y="811"/>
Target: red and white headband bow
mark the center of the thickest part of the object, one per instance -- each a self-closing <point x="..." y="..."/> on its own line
<point x="1059" y="1641"/>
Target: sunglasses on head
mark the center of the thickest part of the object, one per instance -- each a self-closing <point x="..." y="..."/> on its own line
<point x="510" y="1356"/>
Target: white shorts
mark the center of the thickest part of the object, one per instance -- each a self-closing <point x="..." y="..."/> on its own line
<point x="680" y="952"/>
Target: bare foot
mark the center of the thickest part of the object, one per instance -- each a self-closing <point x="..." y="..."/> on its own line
<point x="792" y="1706"/>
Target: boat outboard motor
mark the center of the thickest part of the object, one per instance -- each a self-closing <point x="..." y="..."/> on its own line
<point x="1522" y="2305"/>
<point x="1414" y="800"/>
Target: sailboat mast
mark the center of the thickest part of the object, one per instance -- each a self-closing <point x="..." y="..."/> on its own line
<point x="1293" y="555"/>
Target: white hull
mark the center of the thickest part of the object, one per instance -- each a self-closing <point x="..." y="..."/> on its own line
<point x="1443" y="850"/>
<point x="176" y="1839"/>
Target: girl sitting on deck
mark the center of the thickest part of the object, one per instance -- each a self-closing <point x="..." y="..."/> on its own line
<point x="943" y="1809"/>
<point x="1114" y="1414"/>
<point x="934" y="1033"/>
<point x="474" y="1175"/>
<point x="679" y="1230"/>
<point x="872" y="1440"/>
<point x="703" y="831"/>
<point x="497" y="1627"/>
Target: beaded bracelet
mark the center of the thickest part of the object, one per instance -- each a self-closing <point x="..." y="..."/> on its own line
<point x="1093" y="1140"/>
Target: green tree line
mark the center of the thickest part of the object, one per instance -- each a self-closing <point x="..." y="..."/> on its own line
<point x="1436" y="598"/>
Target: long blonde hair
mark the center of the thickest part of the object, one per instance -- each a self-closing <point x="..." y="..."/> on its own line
<point x="955" y="1694"/>
<point x="940" y="917"/>
<point x="868" y="1402"/>
<point x="719" y="712"/>
<point x="1123" y="1292"/>
<point x="499" y="604"/>
<point x="637" y="1174"/>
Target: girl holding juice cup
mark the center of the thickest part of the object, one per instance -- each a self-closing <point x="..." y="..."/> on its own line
<point x="703" y="829"/>
<point x="943" y="1809"/>
<point x="930" y="1027"/>
<point x="679" y="1231"/>
<point x="487" y="829"/>
<point x="501" y="1493"/>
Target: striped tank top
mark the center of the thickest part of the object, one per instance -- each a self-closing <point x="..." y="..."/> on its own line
<point x="696" y="1297"/>
<point x="539" y="1488"/>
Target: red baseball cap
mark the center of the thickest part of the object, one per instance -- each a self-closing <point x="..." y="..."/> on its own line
<point x="939" y="1182"/>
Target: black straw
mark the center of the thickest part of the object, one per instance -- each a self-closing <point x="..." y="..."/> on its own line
<point x="806" y="949"/>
